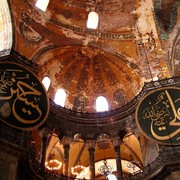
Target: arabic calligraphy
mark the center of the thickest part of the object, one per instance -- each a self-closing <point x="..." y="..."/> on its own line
<point x="22" y="97"/>
<point x="158" y="115"/>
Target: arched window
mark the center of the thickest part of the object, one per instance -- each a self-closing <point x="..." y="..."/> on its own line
<point x="60" y="97"/>
<point x="46" y="82"/>
<point x="5" y="29"/>
<point x="101" y="104"/>
<point x="93" y="20"/>
<point x="111" y="177"/>
<point x="42" y="4"/>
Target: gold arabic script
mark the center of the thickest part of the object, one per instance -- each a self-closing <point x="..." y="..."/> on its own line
<point x="23" y="96"/>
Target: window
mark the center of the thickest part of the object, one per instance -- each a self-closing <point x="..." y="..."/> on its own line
<point x="5" y="29"/>
<point x="93" y="20"/>
<point x="60" y="97"/>
<point x="155" y="78"/>
<point x="42" y="4"/>
<point x="46" y="82"/>
<point x="101" y="104"/>
<point x="111" y="177"/>
<point x="80" y="103"/>
<point x="119" y="97"/>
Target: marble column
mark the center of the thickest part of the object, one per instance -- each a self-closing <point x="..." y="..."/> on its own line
<point x="91" y="149"/>
<point x="44" y="135"/>
<point x="66" y="145"/>
<point x="116" y="142"/>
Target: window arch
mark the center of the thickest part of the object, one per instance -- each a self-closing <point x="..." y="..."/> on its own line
<point x="5" y="29"/>
<point x="60" y="97"/>
<point x="46" y="82"/>
<point x="93" y="20"/>
<point x="101" y="104"/>
<point x="42" y="4"/>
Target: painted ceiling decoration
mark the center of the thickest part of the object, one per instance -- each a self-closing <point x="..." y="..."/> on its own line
<point x="88" y="72"/>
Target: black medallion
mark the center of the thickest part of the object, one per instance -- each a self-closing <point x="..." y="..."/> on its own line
<point x="158" y="115"/>
<point x="23" y="101"/>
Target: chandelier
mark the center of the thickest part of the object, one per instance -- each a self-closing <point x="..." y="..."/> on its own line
<point x="53" y="164"/>
<point x="79" y="171"/>
<point x="105" y="169"/>
<point x="131" y="166"/>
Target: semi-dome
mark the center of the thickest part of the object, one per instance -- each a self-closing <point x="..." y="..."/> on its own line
<point x="85" y="73"/>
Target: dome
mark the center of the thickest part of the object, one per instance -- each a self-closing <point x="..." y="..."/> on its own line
<point x="86" y="73"/>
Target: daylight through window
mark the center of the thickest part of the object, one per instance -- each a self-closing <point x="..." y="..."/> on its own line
<point x="93" y="20"/>
<point x="60" y="97"/>
<point x="46" y="82"/>
<point x="101" y="104"/>
<point x="42" y="4"/>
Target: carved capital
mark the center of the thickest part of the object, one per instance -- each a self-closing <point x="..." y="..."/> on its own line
<point x="66" y="141"/>
<point x="91" y="144"/>
<point x="116" y="141"/>
<point x="44" y="133"/>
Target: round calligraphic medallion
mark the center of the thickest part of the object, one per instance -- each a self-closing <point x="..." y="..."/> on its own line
<point x="158" y="115"/>
<point x="23" y="101"/>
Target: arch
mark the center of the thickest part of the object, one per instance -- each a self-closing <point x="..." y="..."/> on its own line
<point x="60" y="97"/>
<point x="46" y="82"/>
<point x="5" y="29"/>
<point x="42" y="4"/>
<point x="101" y="104"/>
<point x="93" y="20"/>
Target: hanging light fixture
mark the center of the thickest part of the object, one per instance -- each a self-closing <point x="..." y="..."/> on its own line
<point x="79" y="170"/>
<point x="105" y="169"/>
<point x="53" y="164"/>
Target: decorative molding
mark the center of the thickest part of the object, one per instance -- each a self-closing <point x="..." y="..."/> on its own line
<point x="124" y="36"/>
<point x="120" y="113"/>
<point x="15" y="56"/>
<point x="91" y="125"/>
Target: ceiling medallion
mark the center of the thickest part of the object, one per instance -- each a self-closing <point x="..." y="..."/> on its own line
<point x="105" y="169"/>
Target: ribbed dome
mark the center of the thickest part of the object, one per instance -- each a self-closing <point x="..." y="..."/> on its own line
<point x="86" y="73"/>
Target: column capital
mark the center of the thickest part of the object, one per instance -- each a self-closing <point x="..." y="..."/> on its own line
<point x="44" y="133"/>
<point x="91" y="144"/>
<point x="116" y="141"/>
<point x="66" y="141"/>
